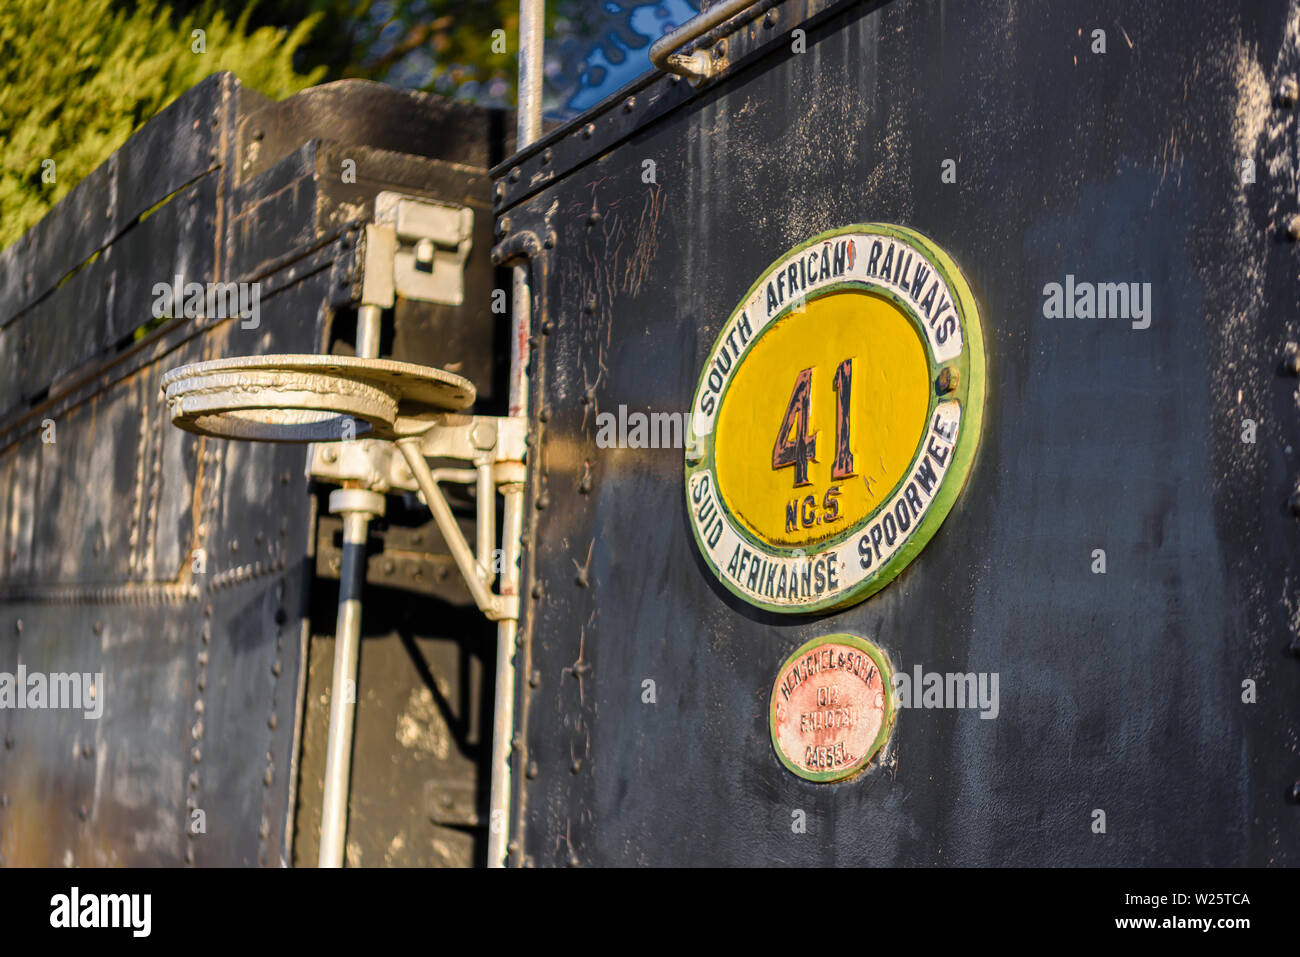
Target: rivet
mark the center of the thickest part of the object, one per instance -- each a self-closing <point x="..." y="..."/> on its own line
<point x="531" y="770"/>
<point x="550" y="240"/>
<point x="87" y="750"/>
<point x="196" y="755"/>
<point x="1293" y="229"/>
<point x="97" y="628"/>
<point x="1295" y="501"/>
<point x="514" y="175"/>
<point x="769" y="20"/>
<point x="588" y="131"/>
<point x="543" y="500"/>
<point x="544" y="414"/>
<point x="585" y="485"/>
<point x="573" y="859"/>
<point x="593" y="217"/>
<point x="629" y="104"/>
<point x="1295" y="792"/>
<point x="268" y="777"/>
<point x="272" y="721"/>
<point x="1291" y="359"/>
<point x="538" y="591"/>
<point x="576" y="766"/>
<point x="547" y="156"/>
<point x="581" y="578"/>
<point x="18" y="626"/>
<point x="1287" y="92"/>
<point x="189" y="855"/>
<point x="499" y="192"/>
<point x="720" y="50"/>
<point x="589" y="305"/>
<point x="534" y="679"/>
<point x="947" y="381"/>
<point x="83" y="813"/>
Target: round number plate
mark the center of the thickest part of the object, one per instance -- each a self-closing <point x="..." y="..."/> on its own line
<point x="836" y="419"/>
<point x="832" y="707"/>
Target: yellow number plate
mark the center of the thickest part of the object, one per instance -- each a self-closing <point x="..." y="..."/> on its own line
<point x="836" y="419"/>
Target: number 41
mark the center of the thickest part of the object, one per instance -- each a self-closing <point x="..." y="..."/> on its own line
<point x="803" y="448"/>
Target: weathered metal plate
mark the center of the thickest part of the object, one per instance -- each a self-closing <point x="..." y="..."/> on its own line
<point x="836" y="419"/>
<point x="832" y="707"/>
<point x="1097" y="437"/>
<point x="176" y="571"/>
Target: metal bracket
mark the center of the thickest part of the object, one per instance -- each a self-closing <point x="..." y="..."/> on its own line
<point x="697" y="65"/>
<point x="492" y="447"/>
<point x="432" y="240"/>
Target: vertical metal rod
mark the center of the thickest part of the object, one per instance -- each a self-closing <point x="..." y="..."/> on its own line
<point x="532" y="19"/>
<point x="347" y="643"/>
<point x="486" y="521"/>
<point x="369" y="322"/>
<point x="532" y="36"/>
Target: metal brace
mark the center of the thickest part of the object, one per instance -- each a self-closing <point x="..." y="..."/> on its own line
<point x="492" y="446"/>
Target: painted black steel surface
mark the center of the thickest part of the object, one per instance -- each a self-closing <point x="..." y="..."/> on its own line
<point x="182" y="568"/>
<point x="1120" y="692"/>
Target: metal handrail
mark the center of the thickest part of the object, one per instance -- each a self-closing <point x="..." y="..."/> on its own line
<point x="697" y="66"/>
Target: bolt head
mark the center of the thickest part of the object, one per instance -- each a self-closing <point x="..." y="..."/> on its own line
<point x="1291" y="359"/>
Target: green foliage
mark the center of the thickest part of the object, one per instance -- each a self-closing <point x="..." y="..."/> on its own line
<point x="76" y="79"/>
